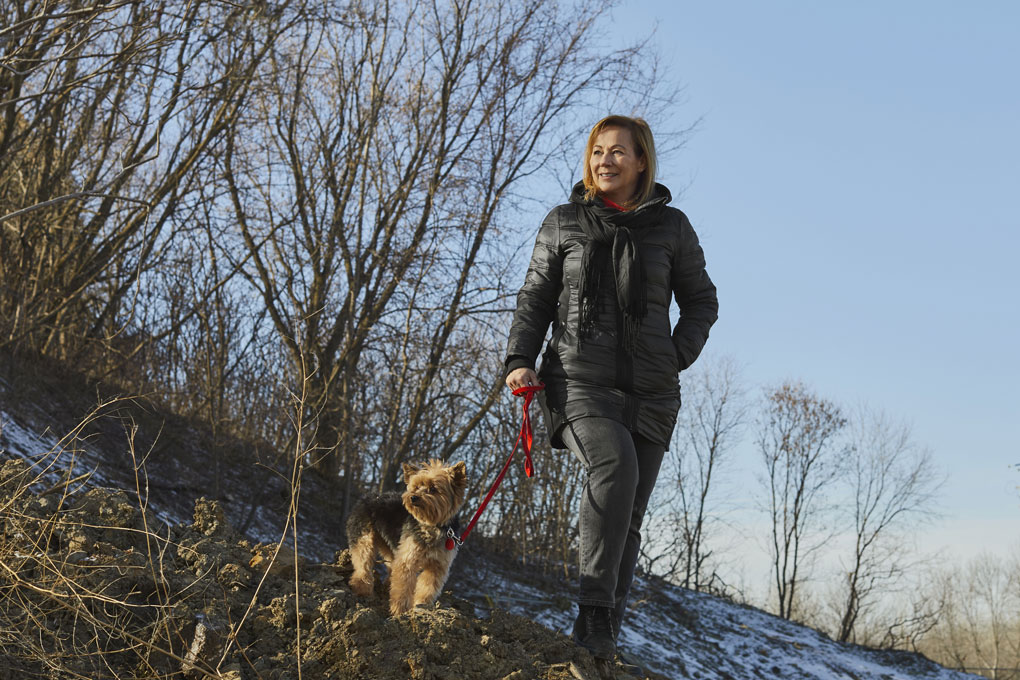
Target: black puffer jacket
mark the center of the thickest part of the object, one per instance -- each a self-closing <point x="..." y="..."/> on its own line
<point x="598" y="377"/>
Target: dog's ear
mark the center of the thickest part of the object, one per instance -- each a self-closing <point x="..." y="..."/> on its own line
<point x="409" y="471"/>
<point x="459" y="475"/>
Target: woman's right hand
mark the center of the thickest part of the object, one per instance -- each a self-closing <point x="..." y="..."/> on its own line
<point x="521" y="377"/>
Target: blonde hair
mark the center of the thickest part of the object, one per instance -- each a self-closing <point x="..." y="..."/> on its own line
<point x="645" y="146"/>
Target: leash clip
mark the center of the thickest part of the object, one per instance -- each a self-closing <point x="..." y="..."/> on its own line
<point x="451" y="538"/>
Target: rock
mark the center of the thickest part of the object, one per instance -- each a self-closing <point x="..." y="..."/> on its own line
<point x="204" y="650"/>
<point x="210" y="519"/>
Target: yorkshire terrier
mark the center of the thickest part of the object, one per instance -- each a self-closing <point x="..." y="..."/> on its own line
<point x="409" y="530"/>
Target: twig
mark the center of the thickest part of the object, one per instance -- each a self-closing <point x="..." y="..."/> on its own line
<point x="64" y="484"/>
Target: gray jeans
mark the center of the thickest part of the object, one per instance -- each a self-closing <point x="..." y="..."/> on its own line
<point x="621" y="468"/>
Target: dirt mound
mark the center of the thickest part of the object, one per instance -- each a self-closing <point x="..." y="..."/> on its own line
<point x="95" y="586"/>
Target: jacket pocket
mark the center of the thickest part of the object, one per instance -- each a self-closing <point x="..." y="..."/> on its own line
<point x="554" y="339"/>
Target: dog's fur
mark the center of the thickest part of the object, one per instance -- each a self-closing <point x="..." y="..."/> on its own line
<point x="409" y="531"/>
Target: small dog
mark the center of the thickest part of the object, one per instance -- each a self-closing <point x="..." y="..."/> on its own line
<point x="409" y="531"/>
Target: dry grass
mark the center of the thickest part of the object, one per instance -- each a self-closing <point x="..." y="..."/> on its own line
<point x="91" y="584"/>
<point x="95" y="585"/>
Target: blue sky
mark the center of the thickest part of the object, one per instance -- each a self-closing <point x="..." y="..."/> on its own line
<point x="853" y="182"/>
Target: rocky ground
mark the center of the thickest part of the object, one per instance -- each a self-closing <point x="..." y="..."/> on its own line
<point x="95" y="586"/>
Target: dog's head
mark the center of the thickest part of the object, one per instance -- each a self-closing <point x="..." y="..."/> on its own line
<point x="435" y="490"/>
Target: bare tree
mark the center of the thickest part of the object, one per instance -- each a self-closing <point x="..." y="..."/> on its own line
<point x="109" y="113"/>
<point x="892" y="486"/>
<point x="980" y="627"/>
<point x="365" y="186"/>
<point x="797" y="439"/>
<point x="709" y="424"/>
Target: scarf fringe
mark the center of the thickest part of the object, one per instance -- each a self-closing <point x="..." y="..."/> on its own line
<point x="608" y="241"/>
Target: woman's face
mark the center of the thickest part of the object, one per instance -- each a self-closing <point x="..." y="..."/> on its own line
<point x="616" y="165"/>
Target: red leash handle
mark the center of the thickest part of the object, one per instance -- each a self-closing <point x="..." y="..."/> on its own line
<point x="524" y="437"/>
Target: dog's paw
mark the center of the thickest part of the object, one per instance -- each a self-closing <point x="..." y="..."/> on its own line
<point x="400" y="603"/>
<point x="432" y="604"/>
<point x="361" y="587"/>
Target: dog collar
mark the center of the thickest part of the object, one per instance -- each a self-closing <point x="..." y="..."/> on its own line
<point x="452" y="525"/>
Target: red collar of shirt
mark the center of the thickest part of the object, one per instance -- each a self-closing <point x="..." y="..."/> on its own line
<point x="613" y="205"/>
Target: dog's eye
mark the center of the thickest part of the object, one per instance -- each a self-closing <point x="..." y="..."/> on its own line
<point x="431" y="489"/>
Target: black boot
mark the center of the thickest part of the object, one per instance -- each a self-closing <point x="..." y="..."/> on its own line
<point x="594" y="631"/>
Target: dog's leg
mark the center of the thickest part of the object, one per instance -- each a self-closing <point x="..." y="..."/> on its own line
<point x="430" y="582"/>
<point x="403" y="575"/>
<point x="363" y="558"/>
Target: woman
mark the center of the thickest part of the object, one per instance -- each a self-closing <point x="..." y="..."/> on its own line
<point x="603" y="271"/>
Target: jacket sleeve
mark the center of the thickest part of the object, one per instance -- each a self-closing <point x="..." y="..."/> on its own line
<point x="538" y="297"/>
<point x="695" y="295"/>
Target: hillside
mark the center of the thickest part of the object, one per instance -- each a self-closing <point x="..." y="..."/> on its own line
<point x="115" y="568"/>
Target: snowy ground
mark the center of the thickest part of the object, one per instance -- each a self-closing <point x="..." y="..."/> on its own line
<point x="684" y="634"/>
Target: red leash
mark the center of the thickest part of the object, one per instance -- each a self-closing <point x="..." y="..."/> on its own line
<point x="525" y="438"/>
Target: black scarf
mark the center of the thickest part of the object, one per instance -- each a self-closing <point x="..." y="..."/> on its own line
<point x="610" y="238"/>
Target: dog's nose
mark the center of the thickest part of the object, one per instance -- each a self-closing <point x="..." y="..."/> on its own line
<point x="415" y="499"/>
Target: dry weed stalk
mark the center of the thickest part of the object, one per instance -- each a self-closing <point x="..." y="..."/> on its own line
<point x="303" y="451"/>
